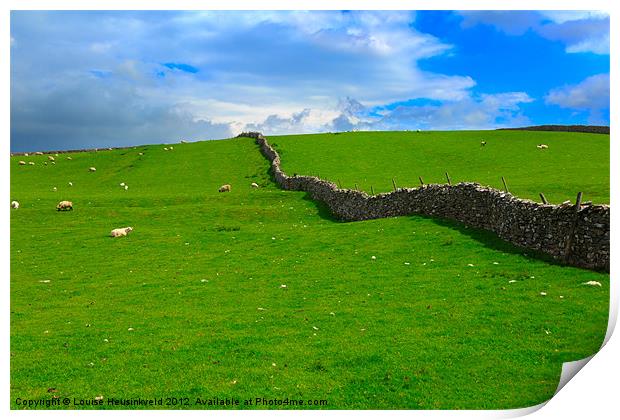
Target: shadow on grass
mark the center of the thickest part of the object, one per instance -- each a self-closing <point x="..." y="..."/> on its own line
<point x="322" y="209"/>
<point x="492" y="241"/>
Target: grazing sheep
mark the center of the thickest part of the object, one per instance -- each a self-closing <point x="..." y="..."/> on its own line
<point x="92" y="169"/>
<point x="141" y="154"/>
<point x="593" y="283"/>
<point x="171" y="148"/>
<point x="165" y="148"/>
<point x="54" y="189"/>
<point x="14" y="204"/>
<point x="38" y="153"/>
<point x="117" y="233"/>
<point x="542" y="146"/>
<point x="69" y="158"/>
<point x="26" y="154"/>
<point x="483" y="143"/>
<point x="126" y="187"/>
<point x="254" y="185"/>
<point x="21" y="162"/>
<point x="225" y="188"/>
<point x="31" y="163"/>
<point x="53" y="163"/>
<point x="51" y="158"/>
<point x="122" y="184"/>
<point x="70" y="184"/>
<point x="64" y="205"/>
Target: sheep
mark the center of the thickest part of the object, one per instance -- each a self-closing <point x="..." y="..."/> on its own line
<point x="171" y="148"/>
<point x="69" y="158"/>
<point x="122" y="184"/>
<point x="70" y="184"/>
<point x="141" y="154"/>
<point x="542" y="146"/>
<point x="26" y="154"/>
<point x="166" y="149"/>
<point x="53" y="163"/>
<point x="15" y="204"/>
<point x="51" y="158"/>
<point x="592" y="283"/>
<point x="117" y="233"/>
<point x="483" y="143"/>
<point x="225" y="188"/>
<point x="92" y="169"/>
<point x="38" y="153"/>
<point x="54" y="189"/>
<point x="64" y="205"/>
<point x="31" y="163"/>
<point x="21" y="162"/>
<point x="254" y="185"/>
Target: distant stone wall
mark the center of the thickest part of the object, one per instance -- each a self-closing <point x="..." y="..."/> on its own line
<point x="594" y="129"/>
<point x="575" y="236"/>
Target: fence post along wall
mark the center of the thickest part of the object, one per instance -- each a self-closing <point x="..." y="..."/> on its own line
<point x="576" y="234"/>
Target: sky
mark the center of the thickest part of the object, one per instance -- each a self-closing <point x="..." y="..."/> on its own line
<point x="119" y="78"/>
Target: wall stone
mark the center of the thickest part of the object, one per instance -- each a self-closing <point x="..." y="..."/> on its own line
<point x="525" y="223"/>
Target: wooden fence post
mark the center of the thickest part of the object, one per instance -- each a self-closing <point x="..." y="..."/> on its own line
<point x="505" y="186"/>
<point x="543" y="198"/>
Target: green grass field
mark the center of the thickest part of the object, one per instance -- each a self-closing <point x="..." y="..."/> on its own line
<point x="573" y="162"/>
<point x="199" y="281"/>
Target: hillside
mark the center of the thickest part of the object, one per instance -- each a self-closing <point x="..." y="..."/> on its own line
<point x="259" y="292"/>
<point x="573" y="162"/>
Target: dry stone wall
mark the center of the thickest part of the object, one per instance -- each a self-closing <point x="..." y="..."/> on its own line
<point x="575" y="236"/>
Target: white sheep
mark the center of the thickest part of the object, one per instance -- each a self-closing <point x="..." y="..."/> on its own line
<point x="31" y="163"/>
<point x="14" y="204"/>
<point x="483" y="143"/>
<point x="225" y="188"/>
<point x="254" y="185"/>
<point x="593" y="283"/>
<point x="51" y="158"/>
<point x="38" y="153"/>
<point x="126" y="187"/>
<point x="69" y="158"/>
<point x="70" y="184"/>
<point x="21" y="162"/>
<point x="92" y="169"/>
<point x="165" y="148"/>
<point x="116" y="233"/>
<point x="122" y="184"/>
<point x="64" y="205"/>
<point x="542" y="146"/>
<point x="171" y="148"/>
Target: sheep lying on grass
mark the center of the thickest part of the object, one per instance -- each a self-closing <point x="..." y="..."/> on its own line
<point x="92" y="169"/>
<point x="64" y="205"/>
<point x="225" y="188"/>
<point x="116" y="233"/>
<point x="542" y="146"/>
<point x="14" y="204"/>
<point x="21" y="162"/>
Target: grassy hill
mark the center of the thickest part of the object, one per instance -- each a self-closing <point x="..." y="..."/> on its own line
<point x="192" y="304"/>
<point x="573" y="162"/>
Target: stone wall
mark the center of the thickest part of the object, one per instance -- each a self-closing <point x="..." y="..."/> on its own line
<point x="575" y="236"/>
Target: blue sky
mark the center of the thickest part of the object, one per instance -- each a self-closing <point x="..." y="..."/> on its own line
<point x="113" y="78"/>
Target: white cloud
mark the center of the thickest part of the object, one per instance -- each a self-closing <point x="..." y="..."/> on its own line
<point x="580" y="31"/>
<point x="591" y="94"/>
